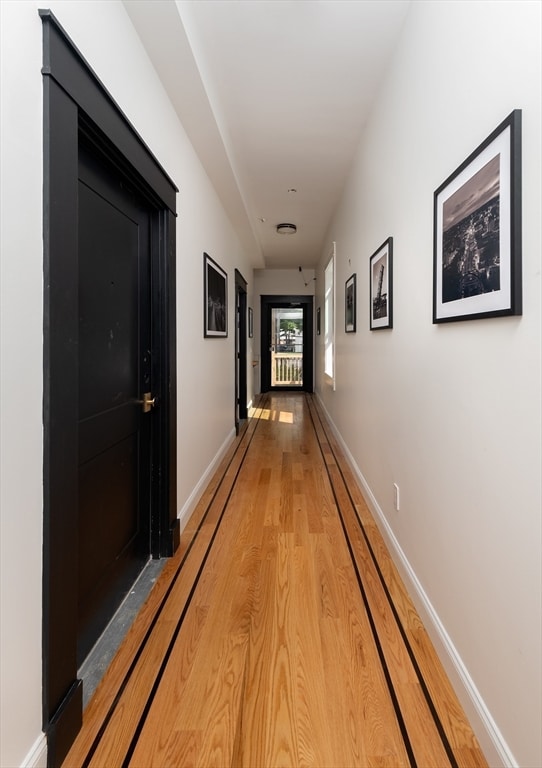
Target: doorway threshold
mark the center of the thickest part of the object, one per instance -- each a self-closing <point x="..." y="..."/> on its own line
<point x="95" y="665"/>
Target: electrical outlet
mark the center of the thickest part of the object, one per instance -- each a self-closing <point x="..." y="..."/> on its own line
<point x="396" y="496"/>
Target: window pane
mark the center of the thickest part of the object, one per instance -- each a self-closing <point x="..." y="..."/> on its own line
<point x="329" y="324"/>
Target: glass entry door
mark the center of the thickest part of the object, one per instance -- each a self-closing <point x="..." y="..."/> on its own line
<point x="287" y="347"/>
<point x="286" y="343"/>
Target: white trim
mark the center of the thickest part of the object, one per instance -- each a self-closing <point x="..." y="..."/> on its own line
<point x="492" y="743"/>
<point x="37" y="757"/>
<point x="190" y="504"/>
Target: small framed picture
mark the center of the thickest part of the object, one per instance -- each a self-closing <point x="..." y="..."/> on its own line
<point x="477" y="231"/>
<point x="381" y="287"/>
<point x="250" y="323"/>
<point x="215" y="299"/>
<point x="350" y="305"/>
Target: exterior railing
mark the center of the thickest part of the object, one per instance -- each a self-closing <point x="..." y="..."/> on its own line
<point x="287" y="369"/>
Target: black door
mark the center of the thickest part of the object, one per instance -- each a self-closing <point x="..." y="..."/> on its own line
<point x="79" y="111"/>
<point x="287" y="343"/>
<point x="114" y="432"/>
<point x="241" y="411"/>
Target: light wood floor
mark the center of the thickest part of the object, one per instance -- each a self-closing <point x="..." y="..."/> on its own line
<point x="280" y="633"/>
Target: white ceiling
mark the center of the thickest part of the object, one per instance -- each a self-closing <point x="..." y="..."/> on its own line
<point x="273" y="95"/>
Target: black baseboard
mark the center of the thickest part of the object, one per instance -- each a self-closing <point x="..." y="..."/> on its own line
<point x="64" y="725"/>
<point x="174" y="537"/>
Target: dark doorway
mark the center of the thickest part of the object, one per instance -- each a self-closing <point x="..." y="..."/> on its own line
<point x="240" y="349"/>
<point x="287" y="343"/>
<point x="115" y="349"/>
<point x="109" y="343"/>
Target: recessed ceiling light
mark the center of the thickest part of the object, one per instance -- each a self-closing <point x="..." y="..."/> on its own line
<point x="286" y="229"/>
<point x="262" y="220"/>
<point x="292" y="190"/>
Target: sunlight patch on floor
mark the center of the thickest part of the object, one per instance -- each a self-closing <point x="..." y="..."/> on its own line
<point x="264" y="414"/>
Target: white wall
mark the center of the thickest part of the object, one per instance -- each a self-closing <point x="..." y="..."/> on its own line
<point x="21" y="290"/>
<point x="105" y="36"/>
<point x="276" y="282"/>
<point x="452" y="412"/>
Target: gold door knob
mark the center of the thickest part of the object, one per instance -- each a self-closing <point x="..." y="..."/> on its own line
<point x="148" y="402"/>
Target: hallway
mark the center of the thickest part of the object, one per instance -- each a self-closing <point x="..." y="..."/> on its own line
<point x="280" y="633"/>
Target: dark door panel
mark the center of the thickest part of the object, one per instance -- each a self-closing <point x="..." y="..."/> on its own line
<point x="114" y="371"/>
<point x="109" y="557"/>
<point x="241" y="412"/>
<point x="108" y="304"/>
<point x="99" y="432"/>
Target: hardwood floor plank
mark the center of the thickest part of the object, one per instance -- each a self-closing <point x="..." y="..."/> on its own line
<point x="362" y="711"/>
<point x="282" y="635"/>
<point x="449" y="711"/>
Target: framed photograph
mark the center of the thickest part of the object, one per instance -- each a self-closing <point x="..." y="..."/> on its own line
<point x="215" y="299"/>
<point x="250" y="323"/>
<point x="381" y="287"/>
<point x="318" y="321"/>
<point x="350" y="305"/>
<point x="477" y="231"/>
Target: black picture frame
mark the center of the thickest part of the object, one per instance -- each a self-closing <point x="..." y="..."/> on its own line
<point x="381" y="287"/>
<point x="318" y="322"/>
<point x="215" y="299"/>
<point x="250" y="323"/>
<point x="350" y="304"/>
<point x="477" y="231"/>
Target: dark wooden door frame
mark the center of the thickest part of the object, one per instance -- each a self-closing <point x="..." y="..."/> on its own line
<point x="305" y="301"/>
<point x="76" y="102"/>
<point x="241" y="412"/>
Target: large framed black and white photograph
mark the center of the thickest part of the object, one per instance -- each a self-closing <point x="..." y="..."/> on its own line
<point x="381" y="287"/>
<point x="477" y="231"/>
<point x="215" y="298"/>
<point x="350" y="305"/>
